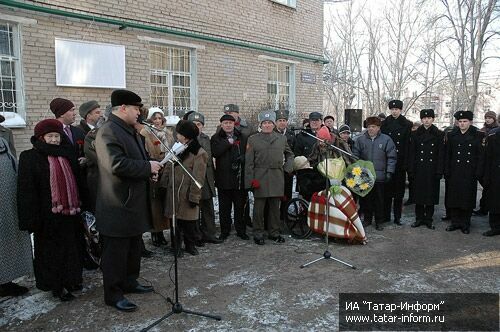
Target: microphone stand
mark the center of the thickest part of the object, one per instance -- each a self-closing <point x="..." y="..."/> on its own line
<point x="327" y="254"/>
<point x="177" y="307"/>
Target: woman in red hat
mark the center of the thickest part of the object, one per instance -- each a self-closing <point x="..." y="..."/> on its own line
<point x="49" y="206"/>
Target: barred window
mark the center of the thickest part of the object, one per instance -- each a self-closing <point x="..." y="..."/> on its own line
<point x="172" y="81"/>
<point x="11" y="93"/>
<point x="279" y="85"/>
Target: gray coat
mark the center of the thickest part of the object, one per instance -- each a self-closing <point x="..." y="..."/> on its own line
<point x="6" y="134"/>
<point x="122" y="208"/>
<point x="267" y="156"/>
<point x="380" y="150"/>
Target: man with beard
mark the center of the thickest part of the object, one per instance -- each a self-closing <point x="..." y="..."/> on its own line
<point x="425" y="167"/>
<point x="464" y="146"/>
<point x="398" y="128"/>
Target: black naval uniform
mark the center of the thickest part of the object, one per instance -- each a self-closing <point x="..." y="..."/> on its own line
<point x="462" y="169"/>
<point x="425" y="166"/>
<point x="491" y="181"/>
<point x="399" y="130"/>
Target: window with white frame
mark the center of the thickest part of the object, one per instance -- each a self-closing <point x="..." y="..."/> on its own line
<point x="289" y="3"/>
<point x="280" y="87"/>
<point x="11" y="91"/>
<point x="172" y="75"/>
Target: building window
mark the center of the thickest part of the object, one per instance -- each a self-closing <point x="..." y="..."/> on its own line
<point x="172" y="77"/>
<point x="487" y="91"/>
<point x="280" y="86"/>
<point x="289" y="3"/>
<point x="11" y="91"/>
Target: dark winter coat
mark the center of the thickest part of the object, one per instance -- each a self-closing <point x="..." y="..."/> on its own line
<point x="208" y="190"/>
<point x="290" y="137"/>
<point x="399" y="130"/>
<point x="304" y="143"/>
<point x="6" y="134"/>
<point x="91" y="168"/>
<point x="58" y="239"/>
<point x="425" y="164"/>
<point x="187" y="194"/>
<point x="267" y="157"/>
<point x="492" y="172"/>
<point x="229" y="160"/>
<point x="462" y="167"/>
<point x="84" y="126"/>
<point x="380" y="150"/>
<point x="122" y="208"/>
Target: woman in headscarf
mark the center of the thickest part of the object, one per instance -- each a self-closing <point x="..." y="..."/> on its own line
<point x="49" y="203"/>
<point x="155" y="146"/>
<point x="15" y="245"/>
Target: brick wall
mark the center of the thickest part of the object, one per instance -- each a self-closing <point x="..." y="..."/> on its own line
<point x="226" y="74"/>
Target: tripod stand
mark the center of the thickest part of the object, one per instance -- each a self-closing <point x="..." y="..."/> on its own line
<point x="327" y="254"/>
<point x="177" y="307"/>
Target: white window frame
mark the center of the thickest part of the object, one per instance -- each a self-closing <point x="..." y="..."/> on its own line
<point x="16" y="118"/>
<point x="291" y="84"/>
<point x="193" y="86"/>
<point x="288" y="3"/>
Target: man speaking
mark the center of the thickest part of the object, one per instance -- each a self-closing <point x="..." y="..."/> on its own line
<point x="122" y="207"/>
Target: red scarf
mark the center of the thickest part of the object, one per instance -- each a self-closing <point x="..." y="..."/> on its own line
<point x="63" y="187"/>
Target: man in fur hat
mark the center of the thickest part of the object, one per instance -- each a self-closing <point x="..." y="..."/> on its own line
<point x="398" y="128"/>
<point x="464" y="149"/>
<point x="381" y="151"/>
<point x="425" y="167"/>
<point x="264" y="171"/>
<point x="123" y="211"/>
<point x="90" y="112"/>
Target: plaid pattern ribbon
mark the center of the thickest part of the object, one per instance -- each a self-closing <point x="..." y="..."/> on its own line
<point x="343" y="218"/>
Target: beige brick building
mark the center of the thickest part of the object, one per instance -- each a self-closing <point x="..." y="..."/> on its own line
<point x="178" y="55"/>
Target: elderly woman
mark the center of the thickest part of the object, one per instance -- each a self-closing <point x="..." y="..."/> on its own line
<point x="187" y="193"/>
<point x="155" y="146"/>
<point x="48" y="201"/>
<point x="15" y="245"/>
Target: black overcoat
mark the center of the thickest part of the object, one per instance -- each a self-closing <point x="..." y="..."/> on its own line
<point x="122" y="207"/>
<point x="462" y="167"/>
<point x="399" y="130"/>
<point x="425" y="163"/>
<point x="492" y="172"/>
<point x="229" y="160"/>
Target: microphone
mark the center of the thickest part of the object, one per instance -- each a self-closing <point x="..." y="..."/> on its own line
<point x="149" y="125"/>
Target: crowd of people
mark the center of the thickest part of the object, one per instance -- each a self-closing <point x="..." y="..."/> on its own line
<point x="137" y="173"/>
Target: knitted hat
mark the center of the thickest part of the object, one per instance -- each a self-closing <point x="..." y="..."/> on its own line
<point x="87" y="107"/>
<point x="125" y="97"/>
<point x="153" y="110"/>
<point x="395" y="104"/>
<point x="324" y="133"/>
<point x="372" y="120"/>
<point x="427" y="113"/>
<point x="195" y="116"/>
<point x="187" y="129"/>
<point x="301" y="162"/>
<point x="227" y="117"/>
<point x="490" y="114"/>
<point x="59" y="106"/>
<point x="381" y="116"/>
<point x="48" y="126"/>
<point x="344" y="128"/>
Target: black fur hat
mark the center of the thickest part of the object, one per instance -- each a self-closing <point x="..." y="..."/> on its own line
<point x="187" y="129"/>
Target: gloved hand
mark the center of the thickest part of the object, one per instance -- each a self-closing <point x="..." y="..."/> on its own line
<point x="388" y="177"/>
<point x="192" y="204"/>
<point x="255" y="184"/>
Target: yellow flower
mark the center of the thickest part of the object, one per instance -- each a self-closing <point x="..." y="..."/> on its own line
<point x="350" y="183"/>
<point x="364" y="186"/>
<point x="356" y="171"/>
